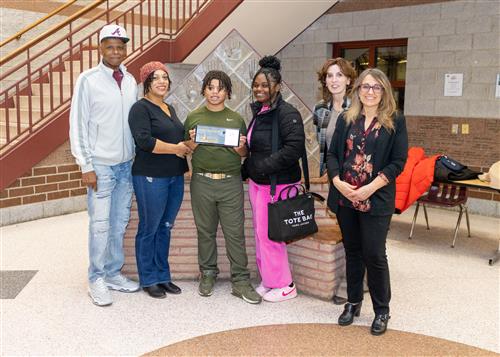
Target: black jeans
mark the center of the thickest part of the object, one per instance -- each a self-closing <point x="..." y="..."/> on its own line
<point x="364" y="243"/>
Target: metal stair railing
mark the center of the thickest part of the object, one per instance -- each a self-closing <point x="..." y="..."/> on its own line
<point x="75" y="51"/>
<point x="19" y="34"/>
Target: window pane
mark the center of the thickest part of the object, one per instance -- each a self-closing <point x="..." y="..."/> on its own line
<point x="392" y="61"/>
<point x="358" y="56"/>
<point x="399" y="96"/>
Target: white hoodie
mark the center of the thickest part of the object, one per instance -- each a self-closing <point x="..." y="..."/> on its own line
<point x="99" y="132"/>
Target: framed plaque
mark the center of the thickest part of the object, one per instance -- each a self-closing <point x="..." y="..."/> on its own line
<point x="216" y="135"/>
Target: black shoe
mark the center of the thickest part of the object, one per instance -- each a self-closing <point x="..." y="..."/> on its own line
<point x="170" y="288"/>
<point x="379" y="325"/>
<point x="350" y="310"/>
<point x="155" y="291"/>
<point x="337" y="300"/>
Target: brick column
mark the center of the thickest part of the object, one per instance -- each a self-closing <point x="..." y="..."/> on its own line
<point x="317" y="263"/>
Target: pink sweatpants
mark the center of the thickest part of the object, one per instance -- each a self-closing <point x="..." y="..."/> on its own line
<point x="271" y="257"/>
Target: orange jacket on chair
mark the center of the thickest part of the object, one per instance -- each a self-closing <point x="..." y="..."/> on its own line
<point x="415" y="179"/>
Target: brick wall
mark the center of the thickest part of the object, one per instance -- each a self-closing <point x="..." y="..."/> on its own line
<point x="478" y="150"/>
<point x="52" y="187"/>
<point x="53" y="178"/>
<point x="317" y="265"/>
<point x="43" y="184"/>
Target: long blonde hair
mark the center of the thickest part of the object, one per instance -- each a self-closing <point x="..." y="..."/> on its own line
<point x="386" y="107"/>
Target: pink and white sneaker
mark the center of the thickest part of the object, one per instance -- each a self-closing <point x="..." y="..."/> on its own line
<point x="281" y="294"/>
<point x="261" y="289"/>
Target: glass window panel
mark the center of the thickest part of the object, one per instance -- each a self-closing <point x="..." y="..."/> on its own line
<point x="399" y="96"/>
<point x="392" y="61"/>
<point x="358" y="56"/>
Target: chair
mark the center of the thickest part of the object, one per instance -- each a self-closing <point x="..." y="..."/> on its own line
<point x="444" y="195"/>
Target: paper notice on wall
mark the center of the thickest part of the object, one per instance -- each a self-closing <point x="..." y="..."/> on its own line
<point x="453" y="84"/>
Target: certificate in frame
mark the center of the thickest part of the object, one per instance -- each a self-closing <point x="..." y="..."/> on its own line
<point x="218" y="136"/>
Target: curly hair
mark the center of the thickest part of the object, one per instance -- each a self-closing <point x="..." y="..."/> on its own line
<point x="347" y="70"/>
<point x="270" y="66"/>
<point x="222" y="77"/>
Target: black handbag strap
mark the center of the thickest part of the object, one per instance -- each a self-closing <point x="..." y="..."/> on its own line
<point x="274" y="148"/>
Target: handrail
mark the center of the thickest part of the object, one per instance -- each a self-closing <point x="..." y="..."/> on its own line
<point x="35" y="90"/>
<point x="19" y="34"/>
<point x="103" y="12"/>
<point x="35" y="99"/>
<point x="53" y="30"/>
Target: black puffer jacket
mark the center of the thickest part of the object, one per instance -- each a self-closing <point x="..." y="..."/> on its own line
<point x="260" y="164"/>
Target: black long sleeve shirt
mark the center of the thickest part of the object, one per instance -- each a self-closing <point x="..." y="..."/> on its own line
<point x="148" y="123"/>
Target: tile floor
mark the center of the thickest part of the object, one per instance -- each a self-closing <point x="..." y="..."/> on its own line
<point x="436" y="290"/>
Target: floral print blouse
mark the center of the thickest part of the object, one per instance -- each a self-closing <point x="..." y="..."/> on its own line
<point x="358" y="159"/>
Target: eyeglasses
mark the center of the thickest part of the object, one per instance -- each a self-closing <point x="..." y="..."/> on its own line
<point x="377" y="88"/>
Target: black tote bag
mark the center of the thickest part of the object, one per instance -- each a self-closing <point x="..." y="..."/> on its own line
<point x="291" y="217"/>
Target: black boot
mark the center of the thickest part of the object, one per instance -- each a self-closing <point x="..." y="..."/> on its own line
<point x="170" y="288"/>
<point x="350" y="310"/>
<point x="155" y="291"/>
<point x="379" y="324"/>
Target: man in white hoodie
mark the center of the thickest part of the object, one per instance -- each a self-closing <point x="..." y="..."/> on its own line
<point x="103" y="146"/>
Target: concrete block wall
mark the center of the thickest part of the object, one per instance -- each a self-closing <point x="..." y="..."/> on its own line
<point x="448" y="37"/>
<point x="317" y="265"/>
<point x="443" y="37"/>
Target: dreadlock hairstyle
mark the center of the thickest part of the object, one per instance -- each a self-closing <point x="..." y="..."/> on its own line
<point x="270" y="67"/>
<point x="222" y="77"/>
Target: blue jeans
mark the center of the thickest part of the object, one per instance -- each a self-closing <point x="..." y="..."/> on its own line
<point x="158" y="202"/>
<point x="109" y="213"/>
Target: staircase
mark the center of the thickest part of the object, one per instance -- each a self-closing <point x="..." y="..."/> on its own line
<point x="36" y="91"/>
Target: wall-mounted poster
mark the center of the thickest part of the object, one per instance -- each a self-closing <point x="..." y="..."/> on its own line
<point x="453" y="84"/>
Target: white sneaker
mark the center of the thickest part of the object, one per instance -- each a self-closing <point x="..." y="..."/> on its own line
<point x="122" y="283"/>
<point x="261" y="289"/>
<point x="99" y="293"/>
<point x="281" y="294"/>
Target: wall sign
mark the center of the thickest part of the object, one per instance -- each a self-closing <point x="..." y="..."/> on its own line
<point x="453" y="84"/>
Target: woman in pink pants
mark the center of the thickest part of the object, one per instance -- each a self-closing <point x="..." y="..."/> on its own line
<point x="272" y="258"/>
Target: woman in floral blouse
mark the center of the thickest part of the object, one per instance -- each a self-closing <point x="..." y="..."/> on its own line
<point x="368" y="151"/>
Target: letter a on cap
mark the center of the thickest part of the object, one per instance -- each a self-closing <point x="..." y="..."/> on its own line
<point x="113" y="31"/>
